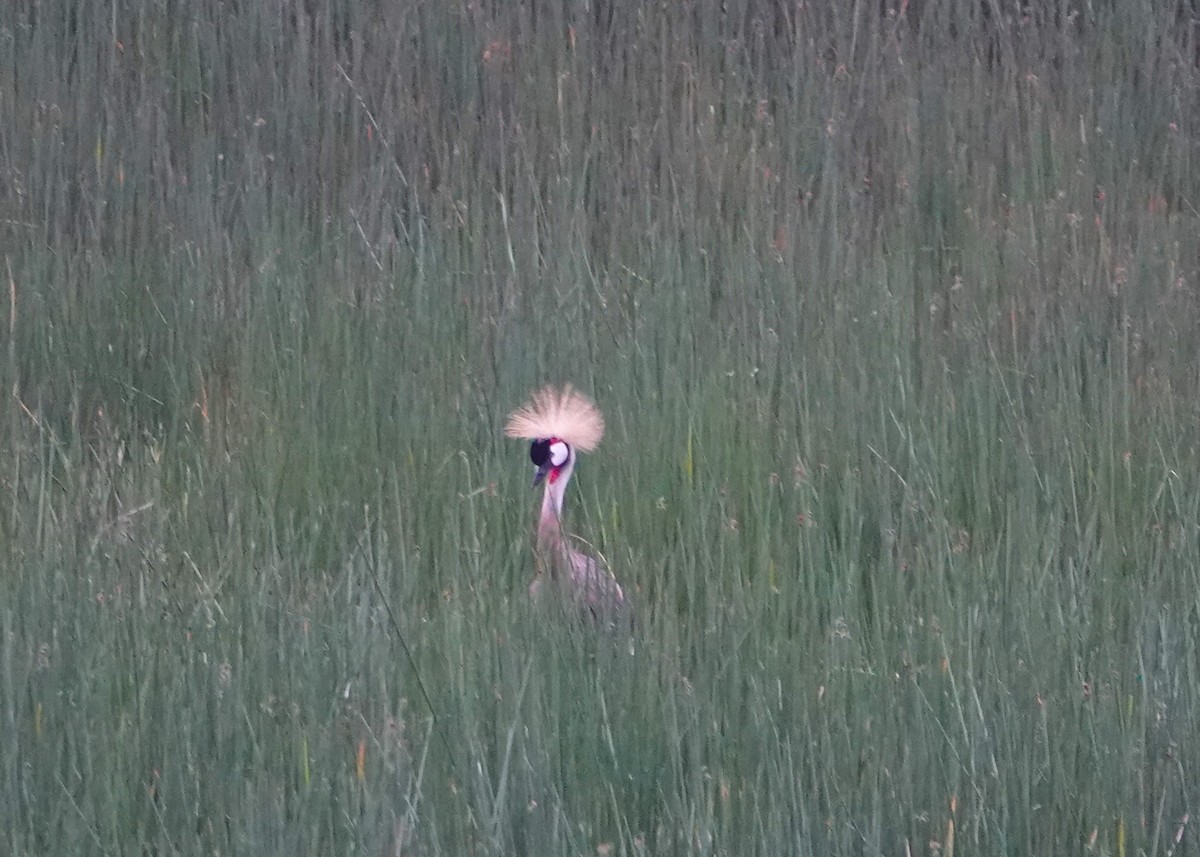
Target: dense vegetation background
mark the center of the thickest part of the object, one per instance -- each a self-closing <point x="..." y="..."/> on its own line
<point x="892" y="308"/>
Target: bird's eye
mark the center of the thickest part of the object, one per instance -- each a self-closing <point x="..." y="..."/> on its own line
<point x="539" y="451"/>
<point x="558" y="453"/>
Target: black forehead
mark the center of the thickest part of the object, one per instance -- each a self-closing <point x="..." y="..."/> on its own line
<point x="539" y="451"/>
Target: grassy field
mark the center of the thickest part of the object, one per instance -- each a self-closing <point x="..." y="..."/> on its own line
<point x="892" y="310"/>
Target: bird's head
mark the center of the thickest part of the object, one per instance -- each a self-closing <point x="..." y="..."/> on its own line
<point x="552" y="457"/>
<point x="558" y="422"/>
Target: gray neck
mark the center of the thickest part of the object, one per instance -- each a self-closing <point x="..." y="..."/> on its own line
<point x="549" y="522"/>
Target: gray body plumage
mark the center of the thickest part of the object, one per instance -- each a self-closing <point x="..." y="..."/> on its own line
<point x="572" y="573"/>
<point x="559" y="422"/>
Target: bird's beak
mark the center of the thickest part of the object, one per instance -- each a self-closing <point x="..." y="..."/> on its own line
<point x="542" y="470"/>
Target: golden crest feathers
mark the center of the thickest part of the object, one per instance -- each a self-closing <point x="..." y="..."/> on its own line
<point x="565" y="414"/>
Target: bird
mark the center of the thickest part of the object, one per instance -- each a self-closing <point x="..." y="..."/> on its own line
<point x="559" y="423"/>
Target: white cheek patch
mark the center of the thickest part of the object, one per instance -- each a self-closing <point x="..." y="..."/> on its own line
<point x="558" y="453"/>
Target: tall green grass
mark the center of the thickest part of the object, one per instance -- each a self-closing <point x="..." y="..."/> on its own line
<point x="891" y="310"/>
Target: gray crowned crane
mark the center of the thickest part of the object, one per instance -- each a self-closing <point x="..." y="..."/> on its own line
<point x="559" y="423"/>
